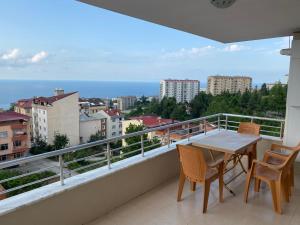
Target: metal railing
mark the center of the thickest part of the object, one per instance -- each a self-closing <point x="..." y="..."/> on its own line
<point x="64" y="164"/>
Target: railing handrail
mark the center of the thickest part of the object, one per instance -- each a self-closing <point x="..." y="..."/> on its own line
<point x="114" y="139"/>
<point x="96" y="143"/>
<point x="254" y="117"/>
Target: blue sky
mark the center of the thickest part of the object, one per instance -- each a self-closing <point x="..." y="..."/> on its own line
<point x="69" y="40"/>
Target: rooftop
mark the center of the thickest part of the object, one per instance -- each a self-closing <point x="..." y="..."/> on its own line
<point x="24" y="103"/>
<point x="113" y="112"/>
<point x="50" y="100"/>
<point x="152" y="121"/>
<point x="12" y="116"/>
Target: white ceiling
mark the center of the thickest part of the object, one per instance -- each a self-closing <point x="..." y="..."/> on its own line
<point x="244" y="20"/>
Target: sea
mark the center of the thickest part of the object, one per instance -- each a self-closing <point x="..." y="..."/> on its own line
<point x="13" y="90"/>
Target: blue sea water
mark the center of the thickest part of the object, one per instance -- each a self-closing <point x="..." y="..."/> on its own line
<point x="12" y="90"/>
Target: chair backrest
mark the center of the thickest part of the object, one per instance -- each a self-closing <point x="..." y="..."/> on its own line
<point x="249" y="128"/>
<point x="292" y="157"/>
<point x="193" y="162"/>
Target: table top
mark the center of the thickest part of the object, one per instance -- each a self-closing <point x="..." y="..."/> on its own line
<point x="226" y="141"/>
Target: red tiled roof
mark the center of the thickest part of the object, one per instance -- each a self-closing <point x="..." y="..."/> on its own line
<point x="112" y="112"/>
<point x="24" y="103"/>
<point x="12" y="116"/>
<point x="152" y="121"/>
<point x="50" y="100"/>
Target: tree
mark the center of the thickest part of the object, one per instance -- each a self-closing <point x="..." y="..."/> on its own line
<point x="264" y="90"/>
<point x="167" y="106"/>
<point x="199" y="104"/>
<point x="60" y="141"/>
<point x="179" y="112"/>
<point x="40" y="146"/>
<point x="133" y="142"/>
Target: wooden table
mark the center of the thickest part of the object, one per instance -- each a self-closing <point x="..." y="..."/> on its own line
<point x="232" y="144"/>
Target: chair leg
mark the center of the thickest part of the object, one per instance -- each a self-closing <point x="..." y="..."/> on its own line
<point x="193" y="186"/>
<point x="278" y="196"/>
<point x="248" y="180"/>
<point x="286" y="190"/>
<point x="292" y="181"/>
<point x="249" y="160"/>
<point x="257" y="185"/>
<point x="206" y="195"/>
<point x="181" y="184"/>
<point x="274" y="194"/>
<point x="221" y="182"/>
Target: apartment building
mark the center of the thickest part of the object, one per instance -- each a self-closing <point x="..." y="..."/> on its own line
<point x="126" y="102"/>
<point x="233" y="84"/>
<point x="24" y="106"/>
<point x="114" y="119"/>
<point x="90" y="125"/>
<point x="14" y="135"/>
<point x="182" y="90"/>
<point x="58" y="114"/>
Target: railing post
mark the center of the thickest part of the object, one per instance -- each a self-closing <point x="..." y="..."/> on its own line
<point x="219" y="126"/>
<point x="251" y="119"/>
<point x="168" y="137"/>
<point x="61" y="169"/>
<point x="108" y="155"/>
<point x="142" y="145"/>
<point x="205" y="127"/>
<point x="188" y="131"/>
<point x="281" y="130"/>
<point x="226" y="123"/>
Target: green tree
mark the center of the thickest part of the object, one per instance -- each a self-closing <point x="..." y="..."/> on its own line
<point x="179" y="112"/>
<point x="199" y="104"/>
<point x="167" y="106"/>
<point x="264" y="90"/>
<point x="60" y="141"/>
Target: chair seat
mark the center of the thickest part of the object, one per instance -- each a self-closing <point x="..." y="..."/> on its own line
<point x="274" y="161"/>
<point x="266" y="173"/>
<point x="211" y="172"/>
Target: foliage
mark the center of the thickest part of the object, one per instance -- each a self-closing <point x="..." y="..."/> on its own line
<point x="4" y="174"/>
<point x="134" y="143"/>
<point x="40" y="146"/>
<point x="60" y="141"/>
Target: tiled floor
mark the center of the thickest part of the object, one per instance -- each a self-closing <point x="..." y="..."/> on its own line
<point x="159" y="207"/>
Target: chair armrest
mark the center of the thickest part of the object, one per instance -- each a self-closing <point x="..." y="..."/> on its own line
<point x="281" y="147"/>
<point x="216" y="163"/>
<point x="276" y="155"/>
<point x="272" y="167"/>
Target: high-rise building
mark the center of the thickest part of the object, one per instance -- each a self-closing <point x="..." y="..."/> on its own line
<point x="181" y="90"/>
<point x="14" y="135"/>
<point x="58" y="114"/>
<point x="126" y="102"/>
<point x="233" y="84"/>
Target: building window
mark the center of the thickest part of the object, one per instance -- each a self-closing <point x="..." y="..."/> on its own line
<point x="103" y="134"/>
<point x="113" y="120"/>
<point x="27" y="110"/>
<point x="44" y="121"/>
<point x="44" y="112"/>
<point x="3" y="147"/>
<point x="17" y="143"/>
<point x="113" y="133"/>
<point x="113" y="127"/>
<point x="3" y="158"/>
<point x="18" y="155"/>
<point x="3" y="134"/>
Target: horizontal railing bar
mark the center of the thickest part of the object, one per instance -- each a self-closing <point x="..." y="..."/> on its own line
<point x="84" y="158"/>
<point x="268" y="131"/>
<point x="87" y="166"/>
<point x="262" y="125"/>
<point x="152" y="145"/>
<point x="26" y="174"/>
<point x="253" y="117"/>
<point x="29" y="184"/>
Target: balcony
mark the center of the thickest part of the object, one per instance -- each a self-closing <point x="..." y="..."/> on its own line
<point x="135" y="187"/>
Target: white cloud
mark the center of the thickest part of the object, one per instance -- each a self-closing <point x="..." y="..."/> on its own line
<point x="234" y="48"/>
<point x="38" y="57"/>
<point x="11" y="54"/>
<point x="191" y="52"/>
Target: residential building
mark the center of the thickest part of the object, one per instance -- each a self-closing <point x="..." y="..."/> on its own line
<point x="24" y="106"/>
<point x="90" y="108"/>
<point x="114" y="119"/>
<point x="90" y="125"/>
<point x="233" y="84"/>
<point x="126" y="102"/>
<point x="181" y="90"/>
<point x="148" y="122"/>
<point x="14" y="135"/>
<point x="269" y="86"/>
<point x="58" y="114"/>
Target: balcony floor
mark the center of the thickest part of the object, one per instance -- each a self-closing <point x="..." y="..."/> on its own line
<point x="159" y="207"/>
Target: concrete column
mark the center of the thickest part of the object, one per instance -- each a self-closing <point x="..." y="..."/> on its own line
<point x="292" y="126"/>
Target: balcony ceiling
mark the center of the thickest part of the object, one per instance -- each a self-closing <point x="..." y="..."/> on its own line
<point x="244" y="20"/>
